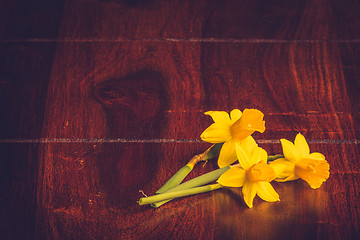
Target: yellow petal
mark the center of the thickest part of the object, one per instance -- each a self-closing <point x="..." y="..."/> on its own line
<point x="234" y="177"/>
<point x="291" y="177"/>
<point x="290" y="151"/>
<point x="243" y="157"/>
<point x="267" y="192"/>
<point x="263" y="155"/>
<point x="256" y="155"/>
<point x="283" y="169"/>
<point x="316" y="156"/>
<point x="301" y="145"/>
<point x="249" y="191"/>
<point x="235" y="115"/>
<point x="278" y="166"/>
<point x="248" y="143"/>
<point x="220" y="117"/>
<point x="216" y="133"/>
<point x="227" y="154"/>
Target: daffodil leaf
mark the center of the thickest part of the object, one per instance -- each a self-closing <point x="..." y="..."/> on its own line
<point x="214" y="151"/>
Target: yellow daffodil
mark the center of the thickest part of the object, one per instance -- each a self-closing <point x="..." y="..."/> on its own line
<point x="254" y="176"/>
<point x="234" y="131"/>
<point x="300" y="163"/>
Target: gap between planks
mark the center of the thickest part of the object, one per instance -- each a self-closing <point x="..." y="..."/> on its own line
<point x="161" y="140"/>
<point x="191" y="40"/>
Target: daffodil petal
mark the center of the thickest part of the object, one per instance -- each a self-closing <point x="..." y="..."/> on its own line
<point x="290" y="151"/>
<point x="256" y="155"/>
<point x="263" y="155"/>
<point x="248" y="143"/>
<point x="220" y="117"/>
<point x="291" y="177"/>
<point x="234" y="177"/>
<point x="249" y="191"/>
<point x="301" y="145"/>
<point x="317" y="156"/>
<point x="278" y="166"/>
<point x="227" y="154"/>
<point x="283" y="168"/>
<point x="235" y="115"/>
<point x="243" y="157"/>
<point x="266" y="192"/>
<point x="216" y="133"/>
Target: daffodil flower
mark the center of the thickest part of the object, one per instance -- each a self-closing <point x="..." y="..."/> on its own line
<point x="300" y="163"/>
<point x="234" y="131"/>
<point x="254" y="176"/>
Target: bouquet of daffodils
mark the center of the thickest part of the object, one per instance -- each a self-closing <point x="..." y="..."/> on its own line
<point x="242" y="163"/>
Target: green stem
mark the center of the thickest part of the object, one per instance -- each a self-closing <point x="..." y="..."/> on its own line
<point x="181" y="174"/>
<point x="274" y="157"/>
<point x="176" y="194"/>
<point x="214" y="151"/>
<point x="195" y="182"/>
<point x="177" y="178"/>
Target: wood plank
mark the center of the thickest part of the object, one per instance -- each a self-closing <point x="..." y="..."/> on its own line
<point x="211" y="20"/>
<point x="180" y="20"/>
<point x="305" y="91"/>
<point x="94" y="194"/>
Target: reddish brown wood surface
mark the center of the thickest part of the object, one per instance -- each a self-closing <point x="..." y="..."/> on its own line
<point x="101" y="99"/>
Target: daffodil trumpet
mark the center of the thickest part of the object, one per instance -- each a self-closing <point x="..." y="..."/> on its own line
<point x="196" y="182"/>
<point x="181" y="174"/>
<point x="177" y="194"/>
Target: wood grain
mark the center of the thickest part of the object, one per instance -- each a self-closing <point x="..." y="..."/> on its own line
<point x="101" y="99"/>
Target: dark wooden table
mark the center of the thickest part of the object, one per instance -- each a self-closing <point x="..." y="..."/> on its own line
<point x="101" y="99"/>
